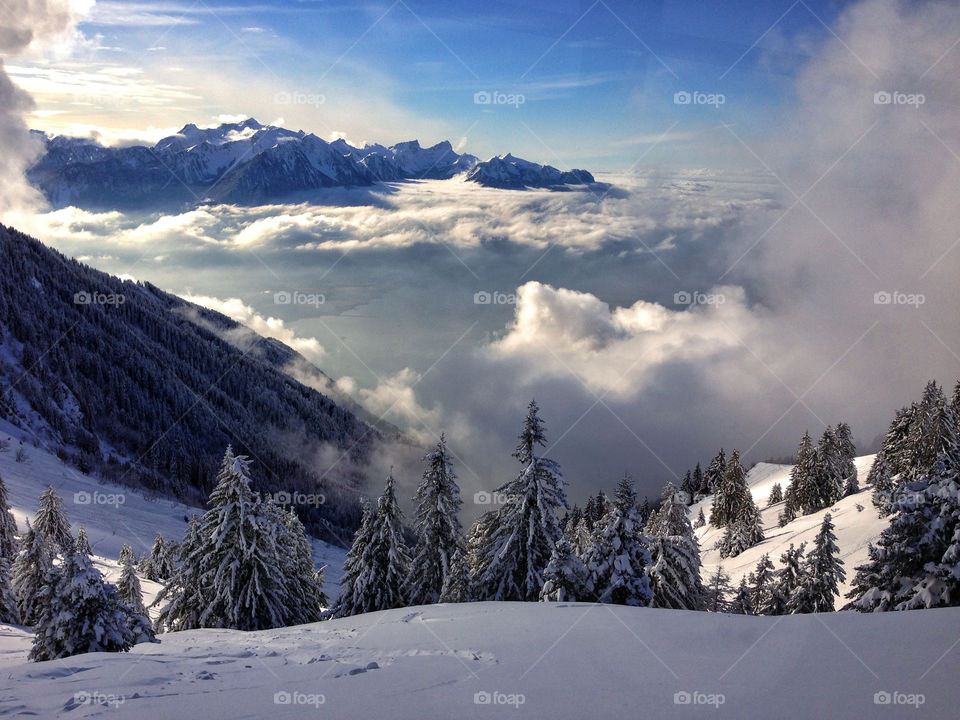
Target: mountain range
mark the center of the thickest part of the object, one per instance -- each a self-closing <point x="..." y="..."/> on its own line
<point x="247" y="163"/>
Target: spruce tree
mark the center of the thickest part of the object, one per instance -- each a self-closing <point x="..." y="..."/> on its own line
<point x="383" y="564"/>
<point x="933" y="435"/>
<point x="776" y="495"/>
<point x="714" y="474"/>
<point x="83" y="542"/>
<point x="740" y="605"/>
<point x="915" y="562"/>
<point x="183" y="599"/>
<point x="520" y="540"/>
<point x="761" y="586"/>
<point x="456" y="586"/>
<point x="829" y="477"/>
<point x="9" y="605"/>
<point x="51" y="520"/>
<point x="571" y="520"/>
<point x="802" y="495"/>
<point x="717" y="592"/>
<point x="129" y="590"/>
<point x="9" y="546"/>
<point x="892" y="459"/>
<point x="565" y="578"/>
<point x="675" y="556"/>
<point x="29" y="574"/>
<point x="126" y="556"/>
<point x="82" y="613"/>
<point x="688" y="488"/>
<point x="159" y="565"/>
<point x="305" y="598"/>
<point x="701" y="520"/>
<point x="698" y="483"/>
<point x="846" y="454"/>
<point x="788" y="578"/>
<point x="822" y="574"/>
<point x="439" y="533"/>
<point x="619" y="556"/>
<point x="730" y="496"/>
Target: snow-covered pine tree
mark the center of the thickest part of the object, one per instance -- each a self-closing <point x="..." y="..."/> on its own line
<point x="383" y="564"/>
<point x="892" y="459"/>
<point x="934" y="435"/>
<point x="518" y="543"/>
<point x="129" y="590"/>
<point x="674" y="569"/>
<point x="565" y="578"/>
<point x="761" y="586"/>
<point x="740" y="604"/>
<point x="582" y="539"/>
<point x="802" y="496"/>
<point x="698" y="483"/>
<point x="9" y="605"/>
<point x="776" y="495"/>
<point x="184" y="598"/>
<point x="822" y="574"/>
<point x="714" y="474"/>
<point x="319" y="576"/>
<point x="571" y="520"/>
<point x="353" y="565"/>
<point x="745" y="531"/>
<point x="829" y="477"/>
<point x="83" y="542"/>
<point x="619" y="556"/>
<point x="788" y="578"/>
<point x="126" y="556"/>
<point x="456" y="586"/>
<point x="438" y="529"/>
<point x="29" y="573"/>
<point x="82" y="613"/>
<point x="688" y="488"/>
<point x="9" y="546"/>
<point x="915" y="562"/>
<point x="645" y="510"/>
<point x="730" y="496"/>
<point x="160" y="564"/>
<point x="846" y="454"/>
<point x="305" y="598"/>
<point x="701" y="520"/>
<point x="51" y="521"/>
<point x="717" y="592"/>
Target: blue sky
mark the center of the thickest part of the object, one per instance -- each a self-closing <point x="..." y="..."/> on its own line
<point x="598" y="80"/>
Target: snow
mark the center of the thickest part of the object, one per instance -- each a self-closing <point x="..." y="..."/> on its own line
<point x="550" y="660"/>
<point x="854" y="529"/>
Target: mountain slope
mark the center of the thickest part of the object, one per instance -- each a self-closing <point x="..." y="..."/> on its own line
<point x="248" y="163"/>
<point x="523" y="660"/>
<point x="119" y="379"/>
<point x="854" y="528"/>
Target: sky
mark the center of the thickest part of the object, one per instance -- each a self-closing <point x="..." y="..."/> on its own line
<point x="582" y="83"/>
<point x="774" y="256"/>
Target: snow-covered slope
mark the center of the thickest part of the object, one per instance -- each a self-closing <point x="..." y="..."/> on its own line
<point x="522" y="660"/>
<point x="854" y="528"/>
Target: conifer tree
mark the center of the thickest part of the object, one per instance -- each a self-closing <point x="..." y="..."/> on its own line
<point x="822" y="574"/>
<point x="29" y="573"/>
<point x="688" y="488"/>
<point x="698" y="483"/>
<point x="892" y="459"/>
<point x="9" y="546"/>
<point x="126" y="556"/>
<point x="519" y="541"/>
<point x="305" y="598"/>
<point x="565" y="578"/>
<point x="184" y="598"/>
<point x="83" y="542"/>
<point x="714" y="474"/>
<point x="761" y="587"/>
<point x="456" y="586"/>
<point x="439" y="533"/>
<point x="802" y="496"/>
<point x="82" y="613"/>
<point x="159" y="565"/>
<point x="675" y="556"/>
<point x="829" y="476"/>
<point x="129" y="590"/>
<point x="571" y="520"/>
<point x="776" y="495"/>
<point x="353" y="566"/>
<point x="619" y="556"/>
<point x="731" y="494"/>
<point x="788" y="578"/>
<point x="51" y="521"/>
<point x="740" y="605"/>
<point x="846" y="454"/>
<point x="717" y="592"/>
<point x="701" y="520"/>
<point x="9" y="605"/>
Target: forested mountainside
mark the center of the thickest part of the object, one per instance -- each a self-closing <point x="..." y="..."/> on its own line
<point x="139" y="386"/>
